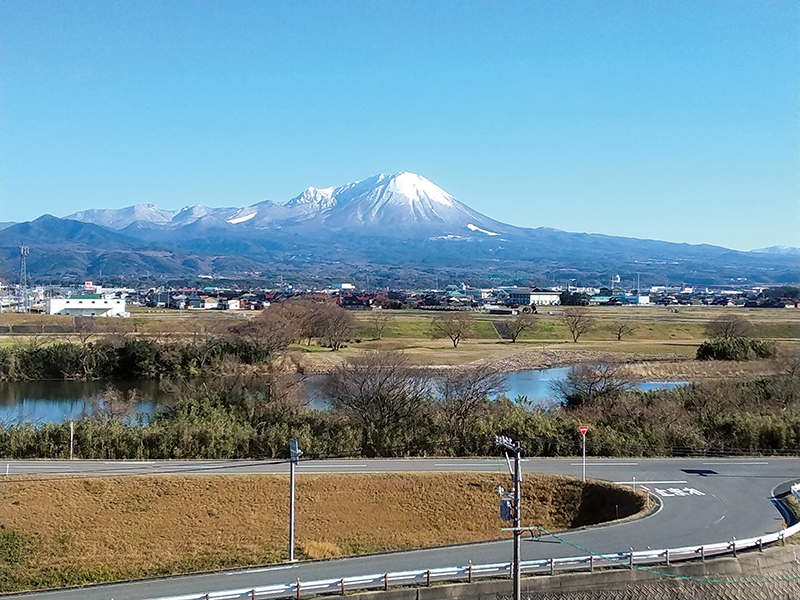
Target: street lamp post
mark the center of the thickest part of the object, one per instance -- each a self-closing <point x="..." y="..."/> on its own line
<point x="506" y="442"/>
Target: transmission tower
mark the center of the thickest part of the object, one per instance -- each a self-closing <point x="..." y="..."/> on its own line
<point x="22" y="304"/>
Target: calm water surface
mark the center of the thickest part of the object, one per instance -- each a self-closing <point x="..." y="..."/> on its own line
<point x="56" y="401"/>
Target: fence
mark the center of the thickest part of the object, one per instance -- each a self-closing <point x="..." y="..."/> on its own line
<point x="470" y="572"/>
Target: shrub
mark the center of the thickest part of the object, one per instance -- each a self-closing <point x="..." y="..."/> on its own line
<point x="735" y="349"/>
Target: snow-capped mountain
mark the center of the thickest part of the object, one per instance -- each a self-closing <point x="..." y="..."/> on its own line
<point x="386" y="204"/>
<point x="777" y="250"/>
<point x="121" y="218"/>
<point x="393" y="205"/>
<point x="401" y="227"/>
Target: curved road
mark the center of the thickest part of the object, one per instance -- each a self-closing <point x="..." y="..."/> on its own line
<point x="703" y="501"/>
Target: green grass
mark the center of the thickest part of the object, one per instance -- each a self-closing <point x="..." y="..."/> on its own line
<point x="651" y="323"/>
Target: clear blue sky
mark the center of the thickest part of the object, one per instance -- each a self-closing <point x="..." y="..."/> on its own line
<point x="671" y="120"/>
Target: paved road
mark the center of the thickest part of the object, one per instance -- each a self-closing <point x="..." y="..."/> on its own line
<point x="703" y="501"/>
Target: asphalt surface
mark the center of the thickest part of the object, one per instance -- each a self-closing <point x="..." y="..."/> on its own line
<point x="703" y="501"/>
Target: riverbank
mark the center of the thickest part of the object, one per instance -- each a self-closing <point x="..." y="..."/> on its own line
<point x="641" y="367"/>
<point x="87" y="530"/>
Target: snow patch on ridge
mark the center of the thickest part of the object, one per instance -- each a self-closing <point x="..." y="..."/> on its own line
<point x="242" y="219"/>
<point x="472" y="227"/>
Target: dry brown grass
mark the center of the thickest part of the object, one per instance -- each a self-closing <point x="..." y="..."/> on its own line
<point x="77" y="531"/>
<point x="702" y="370"/>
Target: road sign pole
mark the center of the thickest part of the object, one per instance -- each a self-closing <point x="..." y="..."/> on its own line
<point x="583" y="467"/>
<point x="294" y="457"/>
<point x="291" y="511"/>
<point x="517" y="521"/>
<point x="583" y="429"/>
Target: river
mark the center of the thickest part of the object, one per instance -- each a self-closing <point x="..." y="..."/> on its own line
<point x="57" y="401"/>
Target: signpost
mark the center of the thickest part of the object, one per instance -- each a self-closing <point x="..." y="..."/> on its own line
<point x="515" y="509"/>
<point x="583" y="429"/>
<point x="294" y="457"/>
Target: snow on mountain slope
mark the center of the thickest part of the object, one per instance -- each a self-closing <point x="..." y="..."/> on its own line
<point x="403" y="203"/>
<point x="313" y="199"/>
<point x="121" y="218"/>
<point x="472" y="227"/>
<point x="399" y="204"/>
<point x="241" y="217"/>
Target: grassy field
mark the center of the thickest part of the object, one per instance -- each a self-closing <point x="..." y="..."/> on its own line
<point x="658" y="330"/>
<point x="65" y="532"/>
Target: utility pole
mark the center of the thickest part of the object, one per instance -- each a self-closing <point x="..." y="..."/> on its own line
<point x="506" y="442"/>
<point x="294" y="457"/>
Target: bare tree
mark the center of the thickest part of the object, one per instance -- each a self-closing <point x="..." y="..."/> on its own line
<point x="456" y="325"/>
<point x="622" y="329"/>
<point x="378" y="320"/>
<point x="585" y="385"/>
<point x="728" y="327"/>
<point x="305" y="316"/>
<point x="519" y="323"/>
<point x="464" y="394"/>
<point x="578" y="320"/>
<point x="382" y="394"/>
<point x="272" y="330"/>
<point x="115" y="404"/>
<point x="85" y="328"/>
<point x="337" y="325"/>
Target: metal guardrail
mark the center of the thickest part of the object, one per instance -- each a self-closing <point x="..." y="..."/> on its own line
<point x="471" y="572"/>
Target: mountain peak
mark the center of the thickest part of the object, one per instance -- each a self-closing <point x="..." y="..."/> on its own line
<point x="314" y="197"/>
<point x="416" y="188"/>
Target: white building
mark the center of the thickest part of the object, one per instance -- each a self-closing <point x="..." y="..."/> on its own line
<point x="531" y="296"/>
<point x="87" y="305"/>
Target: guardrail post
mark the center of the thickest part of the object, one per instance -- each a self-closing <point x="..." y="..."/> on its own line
<point x="783" y="539"/>
<point x="511" y="569"/>
<point x="385" y="582"/>
<point x="342" y="585"/>
<point x="297" y="589"/>
<point x="428" y="577"/>
<point x="630" y="559"/>
<point x="703" y="553"/>
<point x="469" y="572"/>
<point x="591" y="563"/>
<point x="552" y="566"/>
<point x="666" y="553"/>
<point x="253" y="594"/>
<point x="760" y="545"/>
<point x="733" y="545"/>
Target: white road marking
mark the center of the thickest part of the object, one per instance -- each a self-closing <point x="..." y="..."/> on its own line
<point x="736" y="463"/>
<point x="495" y="465"/>
<point x="678" y="492"/>
<point x="261" y="570"/>
<point x="649" y="482"/>
<point x="605" y="464"/>
<point x="718" y="520"/>
<point x="332" y="466"/>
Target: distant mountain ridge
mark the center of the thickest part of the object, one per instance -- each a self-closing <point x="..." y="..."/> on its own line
<point x="394" y="229"/>
<point x="396" y="203"/>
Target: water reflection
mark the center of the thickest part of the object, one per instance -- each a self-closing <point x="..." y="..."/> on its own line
<point x="57" y="401"/>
